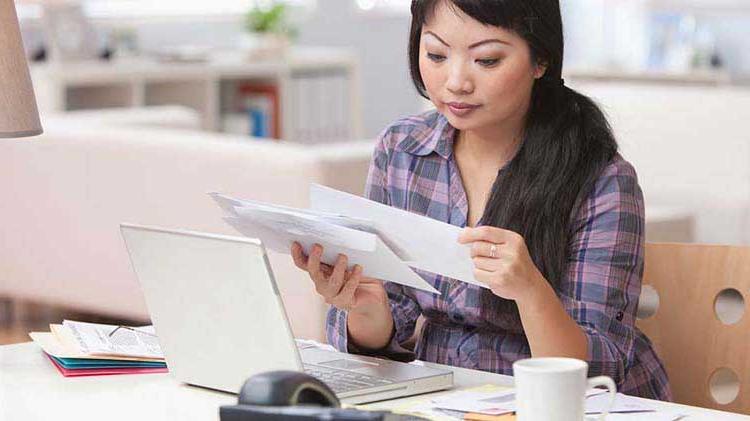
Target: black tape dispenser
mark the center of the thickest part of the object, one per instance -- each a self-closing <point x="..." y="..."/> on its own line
<point x="290" y="395"/>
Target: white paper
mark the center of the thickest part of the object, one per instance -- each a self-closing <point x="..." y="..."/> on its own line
<point x="96" y="339"/>
<point x="308" y="227"/>
<point x="233" y="206"/>
<point x="488" y="403"/>
<point x="623" y="404"/>
<point x="504" y="402"/>
<point x="311" y="343"/>
<point x="380" y="263"/>
<point x="279" y="226"/>
<point x="640" y="416"/>
<point x="433" y="245"/>
<point x="230" y="204"/>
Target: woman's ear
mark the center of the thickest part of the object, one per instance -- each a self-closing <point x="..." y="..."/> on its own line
<point x="540" y="69"/>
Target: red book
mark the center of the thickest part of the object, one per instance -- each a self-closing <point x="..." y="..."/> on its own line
<point x="272" y="93"/>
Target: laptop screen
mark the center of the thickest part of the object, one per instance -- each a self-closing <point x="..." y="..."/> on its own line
<point x="214" y="304"/>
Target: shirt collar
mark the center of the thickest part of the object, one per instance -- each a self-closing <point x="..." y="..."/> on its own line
<point x="434" y="135"/>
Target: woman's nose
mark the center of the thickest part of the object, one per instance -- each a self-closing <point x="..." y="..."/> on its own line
<point x="459" y="81"/>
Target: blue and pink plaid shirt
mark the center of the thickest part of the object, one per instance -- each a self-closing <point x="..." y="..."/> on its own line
<point x="413" y="168"/>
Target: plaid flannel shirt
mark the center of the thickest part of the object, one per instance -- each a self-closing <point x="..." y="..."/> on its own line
<point x="413" y="168"/>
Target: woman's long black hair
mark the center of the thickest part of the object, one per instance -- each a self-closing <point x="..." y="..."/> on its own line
<point x="567" y="139"/>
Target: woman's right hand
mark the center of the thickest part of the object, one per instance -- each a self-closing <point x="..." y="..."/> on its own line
<point x="342" y="288"/>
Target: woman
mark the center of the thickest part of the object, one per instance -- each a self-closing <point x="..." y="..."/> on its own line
<point x="553" y="215"/>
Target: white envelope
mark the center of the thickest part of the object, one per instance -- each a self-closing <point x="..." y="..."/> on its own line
<point x="230" y="205"/>
<point x="432" y="245"/>
<point x="377" y="261"/>
<point x="305" y="226"/>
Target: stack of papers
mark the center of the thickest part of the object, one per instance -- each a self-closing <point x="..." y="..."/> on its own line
<point x="388" y="243"/>
<point x="490" y="401"/>
<point x="89" y="349"/>
<point x="497" y="403"/>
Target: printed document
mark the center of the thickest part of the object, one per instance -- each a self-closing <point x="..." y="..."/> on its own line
<point x="99" y="339"/>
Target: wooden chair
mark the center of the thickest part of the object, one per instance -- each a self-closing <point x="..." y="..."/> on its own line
<point x="687" y="332"/>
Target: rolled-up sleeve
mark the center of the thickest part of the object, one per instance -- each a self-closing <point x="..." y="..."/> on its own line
<point x="404" y="306"/>
<point x="605" y="269"/>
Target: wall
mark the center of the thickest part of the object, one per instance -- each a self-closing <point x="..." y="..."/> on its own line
<point x="732" y="33"/>
<point x="381" y="44"/>
<point x="619" y="33"/>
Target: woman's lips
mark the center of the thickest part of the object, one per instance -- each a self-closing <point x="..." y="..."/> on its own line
<point x="461" y="109"/>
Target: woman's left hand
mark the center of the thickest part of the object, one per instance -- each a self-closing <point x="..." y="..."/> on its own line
<point x="502" y="261"/>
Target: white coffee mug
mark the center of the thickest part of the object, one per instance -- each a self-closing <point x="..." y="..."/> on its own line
<point x="555" y="389"/>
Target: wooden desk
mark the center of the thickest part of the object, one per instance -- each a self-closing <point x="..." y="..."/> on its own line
<point x="32" y="389"/>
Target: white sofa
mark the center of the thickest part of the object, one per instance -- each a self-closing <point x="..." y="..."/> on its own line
<point x="65" y="193"/>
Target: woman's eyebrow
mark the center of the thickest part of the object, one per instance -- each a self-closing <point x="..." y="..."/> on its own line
<point x="476" y="44"/>
<point x="487" y="41"/>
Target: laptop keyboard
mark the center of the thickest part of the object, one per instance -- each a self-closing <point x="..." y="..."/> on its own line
<point x="341" y="381"/>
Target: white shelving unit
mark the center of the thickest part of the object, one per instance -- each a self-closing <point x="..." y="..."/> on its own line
<point x="318" y="89"/>
<point x="695" y="77"/>
<point x="712" y="6"/>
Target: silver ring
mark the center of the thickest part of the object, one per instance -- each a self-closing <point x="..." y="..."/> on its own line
<point x="493" y="251"/>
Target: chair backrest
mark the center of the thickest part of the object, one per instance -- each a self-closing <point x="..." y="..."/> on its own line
<point x="699" y="328"/>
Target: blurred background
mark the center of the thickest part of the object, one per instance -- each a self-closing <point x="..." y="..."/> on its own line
<point x="693" y="41"/>
<point x="149" y="105"/>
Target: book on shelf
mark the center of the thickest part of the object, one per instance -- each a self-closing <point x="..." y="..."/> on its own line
<point x="259" y="103"/>
<point x="320" y="108"/>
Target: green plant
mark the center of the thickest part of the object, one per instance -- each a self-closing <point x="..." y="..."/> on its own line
<point x="271" y="19"/>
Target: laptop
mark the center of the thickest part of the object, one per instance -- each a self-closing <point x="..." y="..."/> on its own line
<point x="220" y="319"/>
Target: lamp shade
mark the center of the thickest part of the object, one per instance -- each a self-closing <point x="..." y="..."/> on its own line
<point x="19" y="116"/>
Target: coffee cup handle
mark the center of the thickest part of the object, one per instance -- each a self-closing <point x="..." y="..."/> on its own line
<point x="611" y="389"/>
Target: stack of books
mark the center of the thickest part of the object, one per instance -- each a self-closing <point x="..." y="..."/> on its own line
<point x="89" y="349"/>
<point x="253" y="109"/>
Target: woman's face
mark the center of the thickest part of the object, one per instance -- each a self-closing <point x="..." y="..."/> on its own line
<point x="478" y="76"/>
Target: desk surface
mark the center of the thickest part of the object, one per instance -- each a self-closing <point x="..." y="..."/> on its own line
<point x="32" y="389"/>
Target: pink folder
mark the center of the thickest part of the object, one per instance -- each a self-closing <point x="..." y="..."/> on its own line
<point x="105" y="371"/>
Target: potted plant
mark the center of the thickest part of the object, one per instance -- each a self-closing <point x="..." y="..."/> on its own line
<point x="269" y="28"/>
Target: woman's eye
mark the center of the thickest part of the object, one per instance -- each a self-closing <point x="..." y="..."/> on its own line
<point x="437" y="58"/>
<point x="488" y="62"/>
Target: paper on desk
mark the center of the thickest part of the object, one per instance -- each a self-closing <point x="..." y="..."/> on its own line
<point x="640" y="416"/>
<point x="432" y="245"/>
<point x="50" y="344"/>
<point x="380" y="262"/>
<point x="424" y="406"/>
<point x="430" y="407"/>
<point x="623" y="404"/>
<point x="498" y="402"/>
<point x="95" y="339"/>
<point x="491" y="402"/>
